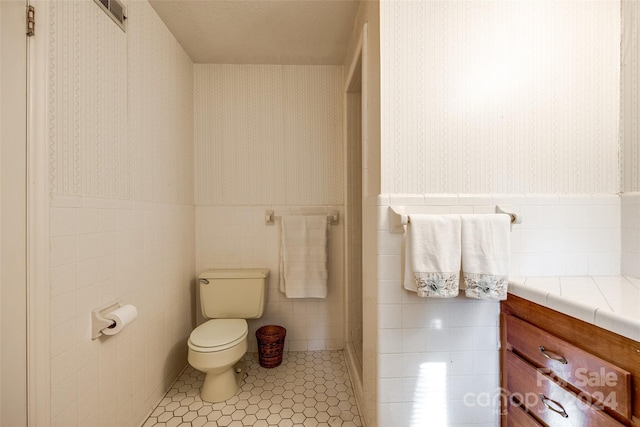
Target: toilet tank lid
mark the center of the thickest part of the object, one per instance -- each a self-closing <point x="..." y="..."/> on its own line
<point x="249" y="273"/>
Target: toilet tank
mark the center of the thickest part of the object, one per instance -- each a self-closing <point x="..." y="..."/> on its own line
<point x="233" y="294"/>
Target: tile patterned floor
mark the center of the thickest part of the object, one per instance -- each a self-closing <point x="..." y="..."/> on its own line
<point x="310" y="389"/>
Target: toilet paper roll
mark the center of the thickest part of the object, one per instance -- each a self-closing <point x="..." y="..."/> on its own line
<point x="122" y="317"/>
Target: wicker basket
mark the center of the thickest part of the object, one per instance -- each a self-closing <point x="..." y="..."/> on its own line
<point x="270" y="345"/>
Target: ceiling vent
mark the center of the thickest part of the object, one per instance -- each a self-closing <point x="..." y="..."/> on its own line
<point x="115" y="10"/>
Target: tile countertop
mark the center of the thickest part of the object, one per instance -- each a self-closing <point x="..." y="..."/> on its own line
<point x="610" y="302"/>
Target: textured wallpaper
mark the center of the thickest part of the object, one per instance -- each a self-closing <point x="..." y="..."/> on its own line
<point x="500" y="96"/>
<point x="629" y="114"/>
<point x="87" y="100"/>
<point x="97" y="74"/>
<point x="268" y="134"/>
<point x="160" y="112"/>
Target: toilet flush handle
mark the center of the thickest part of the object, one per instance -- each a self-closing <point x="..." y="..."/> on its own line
<point x="204" y="281"/>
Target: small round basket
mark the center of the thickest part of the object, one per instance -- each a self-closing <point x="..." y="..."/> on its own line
<point x="270" y="345"/>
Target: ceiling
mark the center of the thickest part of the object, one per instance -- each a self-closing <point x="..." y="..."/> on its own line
<point x="289" y="32"/>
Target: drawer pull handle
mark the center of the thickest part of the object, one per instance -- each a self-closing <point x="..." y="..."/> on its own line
<point x="553" y="356"/>
<point x="549" y="403"/>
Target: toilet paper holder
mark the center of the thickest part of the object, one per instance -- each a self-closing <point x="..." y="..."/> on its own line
<point x="99" y="322"/>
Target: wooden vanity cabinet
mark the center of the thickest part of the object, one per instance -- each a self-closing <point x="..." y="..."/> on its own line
<point x="519" y="417"/>
<point x="559" y="371"/>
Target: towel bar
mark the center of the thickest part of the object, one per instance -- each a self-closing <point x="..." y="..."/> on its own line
<point x="400" y="218"/>
<point x="515" y="218"/>
<point x="333" y="217"/>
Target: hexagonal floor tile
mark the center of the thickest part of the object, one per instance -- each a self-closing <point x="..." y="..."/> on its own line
<point x="309" y="388"/>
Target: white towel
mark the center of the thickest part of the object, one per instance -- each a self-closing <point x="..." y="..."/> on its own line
<point x="303" y="256"/>
<point x="432" y="255"/>
<point x="485" y="255"/>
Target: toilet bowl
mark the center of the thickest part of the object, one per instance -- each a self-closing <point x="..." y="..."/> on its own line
<point x="216" y="348"/>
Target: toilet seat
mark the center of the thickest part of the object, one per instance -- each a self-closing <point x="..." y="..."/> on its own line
<point x="218" y="335"/>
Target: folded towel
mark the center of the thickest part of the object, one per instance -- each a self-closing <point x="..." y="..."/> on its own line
<point x="432" y="255"/>
<point x="303" y="256"/>
<point x="485" y="255"/>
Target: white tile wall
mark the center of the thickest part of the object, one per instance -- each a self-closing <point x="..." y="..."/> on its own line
<point x="237" y="237"/>
<point x="135" y="253"/>
<point x="429" y="345"/>
<point x="631" y="234"/>
<point x="568" y="236"/>
<point x="561" y="235"/>
<point x="371" y="333"/>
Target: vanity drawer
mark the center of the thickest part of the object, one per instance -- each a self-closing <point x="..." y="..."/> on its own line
<point x="518" y="417"/>
<point x="602" y="382"/>
<point x="548" y="401"/>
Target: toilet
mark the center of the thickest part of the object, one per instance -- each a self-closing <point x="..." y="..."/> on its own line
<point x="227" y="298"/>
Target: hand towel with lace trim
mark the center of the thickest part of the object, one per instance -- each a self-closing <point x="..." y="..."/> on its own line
<point x="432" y="255"/>
<point x="303" y="256"/>
<point x="485" y="255"/>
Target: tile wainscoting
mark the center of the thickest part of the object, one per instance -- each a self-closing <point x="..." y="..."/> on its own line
<point x="631" y="234"/>
<point x="113" y="250"/>
<point x="237" y="237"/>
<point x="426" y="346"/>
